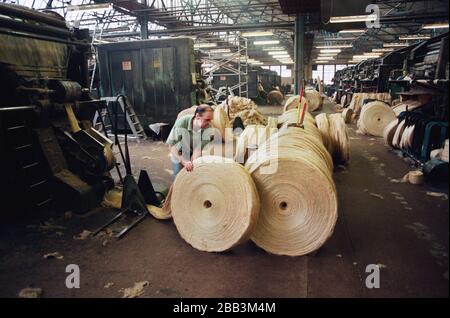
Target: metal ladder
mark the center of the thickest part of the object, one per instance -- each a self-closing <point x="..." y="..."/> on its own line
<point x="32" y="169"/>
<point x="138" y="132"/>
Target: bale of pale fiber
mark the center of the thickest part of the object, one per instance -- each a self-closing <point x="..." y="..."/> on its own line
<point x="374" y="118"/>
<point x="244" y="108"/>
<point x="275" y="97"/>
<point x="314" y="99"/>
<point x="293" y="102"/>
<point x="389" y="132"/>
<point x="324" y="127"/>
<point x="343" y="100"/>
<point x="292" y="116"/>
<point x="298" y="200"/>
<point x="222" y="122"/>
<point x="252" y="137"/>
<point x="225" y="149"/>
<point x="187" y="111"/>
<point x="444" y="154"/>
<point x="358" y="99"/>
<point x="339" y="139"/>
<point x="216" y="206"/>
<point x="347" y="115"/>
<point x="398" y="134"/>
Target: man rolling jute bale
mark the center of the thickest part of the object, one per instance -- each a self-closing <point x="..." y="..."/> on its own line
<point x="298" y="198"/>
<point x="216" y="206"/>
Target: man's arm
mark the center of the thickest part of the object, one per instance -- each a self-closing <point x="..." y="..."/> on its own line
<point x="175" y="153"/>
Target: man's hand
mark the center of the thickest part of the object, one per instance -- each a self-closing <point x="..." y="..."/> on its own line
<point x="188" y="165"/>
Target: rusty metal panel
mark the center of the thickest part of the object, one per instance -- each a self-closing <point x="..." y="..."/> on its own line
<point x="156" y="75"/>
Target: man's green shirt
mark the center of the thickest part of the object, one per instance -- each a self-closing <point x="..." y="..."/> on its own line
<point x="183" y="135"/>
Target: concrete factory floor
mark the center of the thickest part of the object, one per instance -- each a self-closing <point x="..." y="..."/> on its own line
<point x="395" y="225"/>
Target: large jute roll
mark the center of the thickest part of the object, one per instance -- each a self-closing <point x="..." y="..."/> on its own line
<point x="225" y="149"/>
<point x="291" y="117"/>
<point x="298" y="199"/>
<point x="251" y="138"/>
<point x="347" y="115"/>
<point x="444" y="154"/>
<point x="244" y="108"/>
<point x="335" y="136"/>
<point x="324" y="128"/>
<point x="314" y="99"/>
<point x="374" y="118"/>
<point x="343" y="101"/>
<point x="216" y="206"/>
<point x="221" y="122"/>
<point x="339" y="138"/>
<point x="398" y="134"/>
<point x="358" y="99"/>
<point x="187" y="111"/>
<point x="275" y="97"/>
<point x="389" y="132"/>
<point x="293" y="102"/>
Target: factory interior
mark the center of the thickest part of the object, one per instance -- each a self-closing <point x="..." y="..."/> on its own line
<point x="322" y="169"/>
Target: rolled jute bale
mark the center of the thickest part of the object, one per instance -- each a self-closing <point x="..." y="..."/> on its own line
<point x="215" y="206"/>
<point x="293" y="102"/>
<point x="415" y="177"/>
<point x="347" y="115"/>
<point x="222" y="123"/>
<point x="251" y="139"/>
<point x="187" y="111"/>
<point x="292" y="116"/>
<point x="343" y="101"/>
<point x="358" y="100"/>
<point x="298" y="198"/>
<point x="324" y="128"/>
<point x="398" y="134"/>
<point x="436" y="153"/>
<point x="444" y="154"/>
<point x="339" y="139"/>
<point x="275" y="97"/>
<point x="389" y="132"/>
<point x="113" y="199"/>
<point x="374" y="118"/>
<point x="314" y="99"/>
<point x="244" y="108"/>
<point x="407" y="137"/>
<point x="225" y="149"/>
<point x="272" y="122"/>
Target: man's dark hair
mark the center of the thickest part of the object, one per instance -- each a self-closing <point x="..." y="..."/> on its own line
<point x="201" y="109"/>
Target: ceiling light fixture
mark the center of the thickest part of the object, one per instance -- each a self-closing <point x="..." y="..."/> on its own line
<point x="352" y="31"/>
<point x="257" y="33"/>
<point x="268" y="42"/>
<point x="204" y="45"/>
<point x="330" y="51"/>
<point x="395" y="44"/>
<point x="354" y="18"/>
<point x="414" y="37"/>
<point x="435" y="26"/>
<point x="338" y="46"/>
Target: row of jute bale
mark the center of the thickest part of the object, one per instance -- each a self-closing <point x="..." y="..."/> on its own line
<point x="282" y="196"/>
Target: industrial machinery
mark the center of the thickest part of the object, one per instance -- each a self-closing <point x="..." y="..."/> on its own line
<point x="51" y="157"/>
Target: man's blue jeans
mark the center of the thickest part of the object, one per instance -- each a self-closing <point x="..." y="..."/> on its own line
<point x="176" y="167"/>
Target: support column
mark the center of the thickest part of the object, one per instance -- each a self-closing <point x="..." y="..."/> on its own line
<point x="143" y="22"/>
<point x="299" y="48"/>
